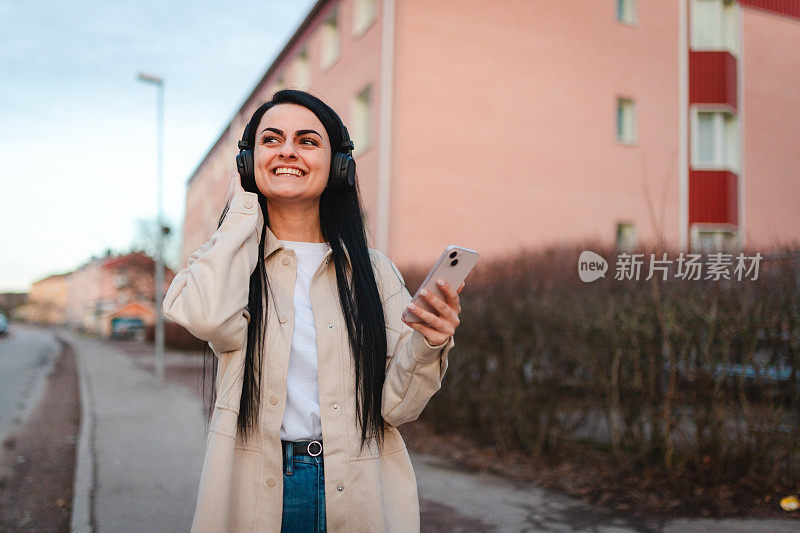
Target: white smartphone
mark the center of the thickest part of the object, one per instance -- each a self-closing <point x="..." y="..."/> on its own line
<point x="452" y="266"/>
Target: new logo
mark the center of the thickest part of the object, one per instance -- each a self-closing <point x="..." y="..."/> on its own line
<point x="591" y="266"/>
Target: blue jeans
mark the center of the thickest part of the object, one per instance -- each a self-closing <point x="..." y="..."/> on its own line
<point x="303" y="492"/>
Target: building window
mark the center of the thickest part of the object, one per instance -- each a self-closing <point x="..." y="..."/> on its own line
<point x="330" y="41"/>
<point x="363" y="16"/>
<point x="714" y="25"/>
<point x="626" y="11"/>
<point x="626" y="120"/>
<point x="710" y="238"/>
<point x="361" y="123"/>
<point x="302" y="71"/>
<point x="714" y="141"/>
<point x="626" y="240"/>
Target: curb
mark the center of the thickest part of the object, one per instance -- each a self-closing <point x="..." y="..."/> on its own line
<point x="82" y="519"/>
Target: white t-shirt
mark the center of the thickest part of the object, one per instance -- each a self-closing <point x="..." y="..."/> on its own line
<point x="301" y="420"/>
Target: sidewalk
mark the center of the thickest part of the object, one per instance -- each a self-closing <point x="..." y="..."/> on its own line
<point x="141" y="451"/>
<point x="140" y="448"/>
<point x="509" y="506"/>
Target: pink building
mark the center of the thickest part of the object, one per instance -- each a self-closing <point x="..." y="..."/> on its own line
<point x="497" y="125"/>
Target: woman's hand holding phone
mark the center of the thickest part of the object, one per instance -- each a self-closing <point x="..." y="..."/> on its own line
<point x="435" y="306"/>
<point x="440" y="326"/>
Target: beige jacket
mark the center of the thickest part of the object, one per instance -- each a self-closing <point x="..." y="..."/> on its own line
<point x="241" y="486"/>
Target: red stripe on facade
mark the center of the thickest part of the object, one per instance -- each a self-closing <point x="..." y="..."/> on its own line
<point x="789" y="8"/>
<point x="712" y="78"/>
<point x="713" y="197"/>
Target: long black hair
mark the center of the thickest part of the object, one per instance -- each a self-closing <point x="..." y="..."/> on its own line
<point x="340" y="214"/>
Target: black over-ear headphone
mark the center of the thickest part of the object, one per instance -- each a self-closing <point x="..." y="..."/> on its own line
<point x="343" y="166"/>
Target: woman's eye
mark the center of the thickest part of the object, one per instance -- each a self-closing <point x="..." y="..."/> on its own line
<point x="268" y="138"/>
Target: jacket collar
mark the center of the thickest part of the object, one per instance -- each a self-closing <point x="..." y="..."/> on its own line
<point x="272" y="244"/>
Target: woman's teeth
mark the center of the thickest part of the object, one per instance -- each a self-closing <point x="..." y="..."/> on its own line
<point x="287" y="171"/>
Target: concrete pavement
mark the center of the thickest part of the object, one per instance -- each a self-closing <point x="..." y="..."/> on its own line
<point x="141" y="452"/>
<point x="510" y="506"/>
<point x="140" y="448"/>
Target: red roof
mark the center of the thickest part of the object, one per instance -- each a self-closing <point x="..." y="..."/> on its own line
<point x="133" y="308"/>
<point x="135" y="259"/>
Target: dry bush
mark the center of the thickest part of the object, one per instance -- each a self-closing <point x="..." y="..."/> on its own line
<point x="676" y="374"/>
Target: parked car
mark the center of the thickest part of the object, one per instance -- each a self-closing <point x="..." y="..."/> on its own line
<point x="3" y="324"/>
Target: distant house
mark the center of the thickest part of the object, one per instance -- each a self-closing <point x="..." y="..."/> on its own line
<point x="128" y="321"/>
<point x="11" y="303"/>
<point x="47" y="301"/>
<point x="497" y="125"/>
<point x="109" y="287"/>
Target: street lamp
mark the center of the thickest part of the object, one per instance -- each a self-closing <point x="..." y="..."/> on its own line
<point x="159" y="340"/>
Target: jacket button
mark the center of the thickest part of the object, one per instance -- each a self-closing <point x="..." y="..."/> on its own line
<point x="286" y="260"/>
<point x="340" y="488"/>
<point x="248" y="204"/>
<point x="336" y="406"/>
<point x="282" y="319"/>
<point x="330" y="325"/>
<point x="271" y="482"/>
<point x="273" y="400"/>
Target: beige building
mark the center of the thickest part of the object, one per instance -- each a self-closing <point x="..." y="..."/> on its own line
<point x="498" y="125"/>
<point x="47" y="301"/>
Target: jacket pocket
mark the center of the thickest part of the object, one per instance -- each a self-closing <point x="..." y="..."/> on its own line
<point x="392" y="443"/>
<point x="245" y="489"/>
<point x="386" y="492"/>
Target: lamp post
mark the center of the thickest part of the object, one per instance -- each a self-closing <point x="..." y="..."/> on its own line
<point x="159" y="340"/>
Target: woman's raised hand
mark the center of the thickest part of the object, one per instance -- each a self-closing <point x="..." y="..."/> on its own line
<point x="438" y="327"/>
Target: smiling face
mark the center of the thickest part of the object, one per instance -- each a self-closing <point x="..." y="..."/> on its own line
<point x="292" y="154"/>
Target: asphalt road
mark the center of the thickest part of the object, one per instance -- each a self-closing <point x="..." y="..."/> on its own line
<point x="26" y="356"/>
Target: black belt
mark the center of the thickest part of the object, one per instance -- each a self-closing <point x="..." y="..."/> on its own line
<point x="306" y="447"/>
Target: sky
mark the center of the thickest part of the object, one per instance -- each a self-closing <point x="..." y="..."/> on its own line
<point x="78" y="130"/>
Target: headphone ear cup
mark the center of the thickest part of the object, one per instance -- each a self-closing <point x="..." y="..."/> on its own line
<point x="343" y="171"/>
<point x="335" y="179"/>
<point x="245" y="167"/>
<point x="350" y="172"/>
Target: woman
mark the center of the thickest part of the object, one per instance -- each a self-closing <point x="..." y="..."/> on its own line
<point x="316" y="369"/>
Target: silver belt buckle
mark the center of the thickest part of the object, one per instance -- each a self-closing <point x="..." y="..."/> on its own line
<point x="308" y="448"/>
